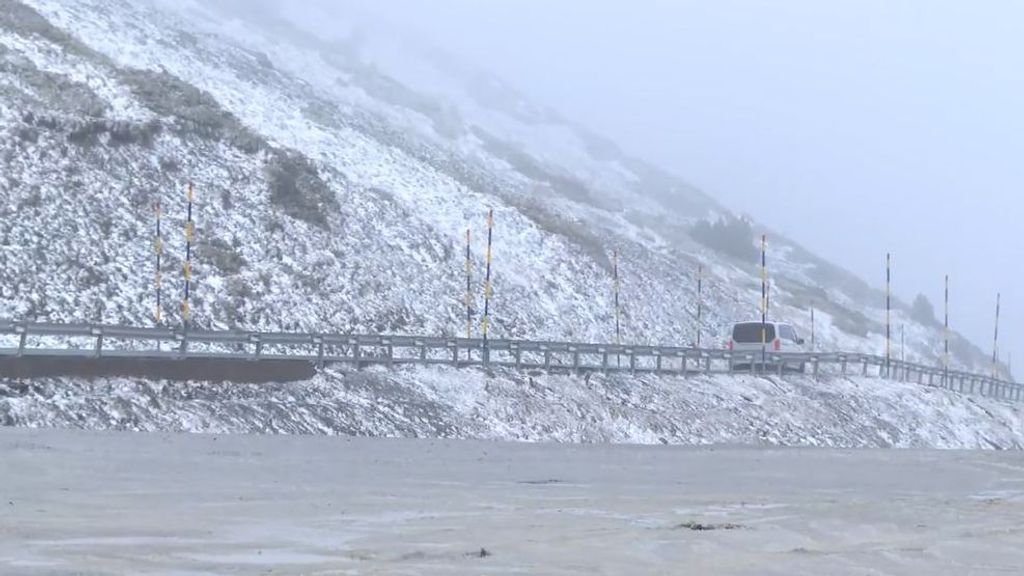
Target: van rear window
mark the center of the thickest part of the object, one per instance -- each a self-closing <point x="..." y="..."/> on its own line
<point x="750" y="333"/>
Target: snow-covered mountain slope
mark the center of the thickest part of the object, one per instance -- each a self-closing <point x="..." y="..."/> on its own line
<point x="333" y="197"/>
<point x="507" y="405"/>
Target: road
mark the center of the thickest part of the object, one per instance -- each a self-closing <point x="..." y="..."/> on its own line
<point x="115" y="503"/>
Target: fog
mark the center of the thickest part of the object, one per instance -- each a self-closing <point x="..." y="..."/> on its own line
<point x="854" y="127"/>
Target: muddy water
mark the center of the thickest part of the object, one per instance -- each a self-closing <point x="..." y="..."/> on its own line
<point x="116" y="503"/>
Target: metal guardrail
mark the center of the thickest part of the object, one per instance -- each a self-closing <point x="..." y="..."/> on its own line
<point x="66" y="340"/>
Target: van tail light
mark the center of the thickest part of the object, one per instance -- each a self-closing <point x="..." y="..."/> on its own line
<point x="778" y="344"/>
<point x="729" y="344"/>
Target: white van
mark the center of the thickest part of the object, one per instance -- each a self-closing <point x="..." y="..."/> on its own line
<point x="753" y="337"/>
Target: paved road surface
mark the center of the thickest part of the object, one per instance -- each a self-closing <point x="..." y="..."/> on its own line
<point x="118" y="503"/>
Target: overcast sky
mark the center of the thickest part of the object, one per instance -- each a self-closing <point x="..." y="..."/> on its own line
<point x="853" y="126"/>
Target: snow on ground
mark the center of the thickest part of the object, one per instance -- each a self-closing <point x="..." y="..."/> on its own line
<point x="441" y="402"/>
<point x="76" y="242"/>
<point x="408" y="178"/>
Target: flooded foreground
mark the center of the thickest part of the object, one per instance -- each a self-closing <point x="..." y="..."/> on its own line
<point x="114" y="503"/>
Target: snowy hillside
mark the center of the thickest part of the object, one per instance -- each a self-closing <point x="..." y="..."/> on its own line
<point x="333" y="197"/>
<point x="507" y="405"/>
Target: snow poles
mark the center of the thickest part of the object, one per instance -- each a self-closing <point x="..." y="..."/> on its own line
<point x="615" y="293"/>
<point x="995" y="341"/>
<point x="158" y="247"/>
<point x="190" y="230"/>
<point x="764" y="300"/>
<point x="618" y="310"/>
<point x="700" y="301"/>
<point x="945" y="338"/>
<point x="469" y="288"/>
<point x="487" y="285"/>
<point x="888" y="315"/>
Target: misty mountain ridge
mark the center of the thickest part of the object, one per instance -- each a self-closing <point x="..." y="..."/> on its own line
<point x="334" y="189"/>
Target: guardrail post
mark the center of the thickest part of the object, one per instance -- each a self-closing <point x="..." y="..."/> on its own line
<point x="816" y="363"/>
<point x="604" y="361"/>
<point x="455" y="354"/>
<point x="842" y="360"/>
<point x="486" y="354"/>
<point x="576" y="360"/>
<point x="865" y="373"/>
<point x="782" y="366"/>
<point x="319" y="341"/>
<point x="390" y="353"/>
<point x="356" y="355"/>
<point x="98" y="333"/>
<point x="258" y="341"/>
<point x="547" y="358"/>
<point x="518" y="355"/>
<point x="183" y="344"/>
<point x="632" y="361"/>
<point x="423" y="352"/>
<point x="657" y="362"/>
<point x="22" y="332"/>
<point x="707" y="363"/>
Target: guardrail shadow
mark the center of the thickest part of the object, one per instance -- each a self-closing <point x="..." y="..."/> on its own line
<point x="241" y="371"/>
